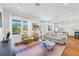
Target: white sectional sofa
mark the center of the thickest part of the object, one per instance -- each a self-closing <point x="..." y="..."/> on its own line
<point x="59" y="38"/>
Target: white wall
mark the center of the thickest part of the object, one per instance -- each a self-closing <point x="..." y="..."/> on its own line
<point x="70" y="23"/>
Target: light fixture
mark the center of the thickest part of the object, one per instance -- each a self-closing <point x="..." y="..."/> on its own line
<point x="69" y="13"/>
<point x="65" y="4"/>
<point x="18" y="7"/>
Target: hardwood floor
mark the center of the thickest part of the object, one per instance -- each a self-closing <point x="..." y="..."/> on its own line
<point x="72" y="47"/>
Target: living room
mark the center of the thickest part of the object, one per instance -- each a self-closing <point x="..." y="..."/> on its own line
<point x="39" y="29"/>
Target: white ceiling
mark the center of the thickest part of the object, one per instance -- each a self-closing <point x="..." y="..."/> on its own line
<point x="47" y="11"/>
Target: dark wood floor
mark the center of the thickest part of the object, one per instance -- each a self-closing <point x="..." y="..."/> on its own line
<point x="72" y="47"/>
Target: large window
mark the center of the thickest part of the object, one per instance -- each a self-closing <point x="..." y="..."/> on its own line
<point x="25" y="27"/>
<point x="16" y="27"/>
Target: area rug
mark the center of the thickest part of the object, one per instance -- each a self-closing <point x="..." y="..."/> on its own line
<point x="39" y="50"/>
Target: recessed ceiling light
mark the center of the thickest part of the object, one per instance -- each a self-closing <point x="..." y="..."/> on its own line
<point x="65" y="4"/>
<point x="18" y="7"/>
<point x="69" y="13"/>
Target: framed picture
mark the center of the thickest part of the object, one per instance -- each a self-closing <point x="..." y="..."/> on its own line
<point x="16" y="27"/>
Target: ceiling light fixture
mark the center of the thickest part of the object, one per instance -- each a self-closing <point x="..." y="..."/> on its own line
<point x="65" y="4"/>
<point x="69" y="13"/>
<point x="18" y="7"/>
